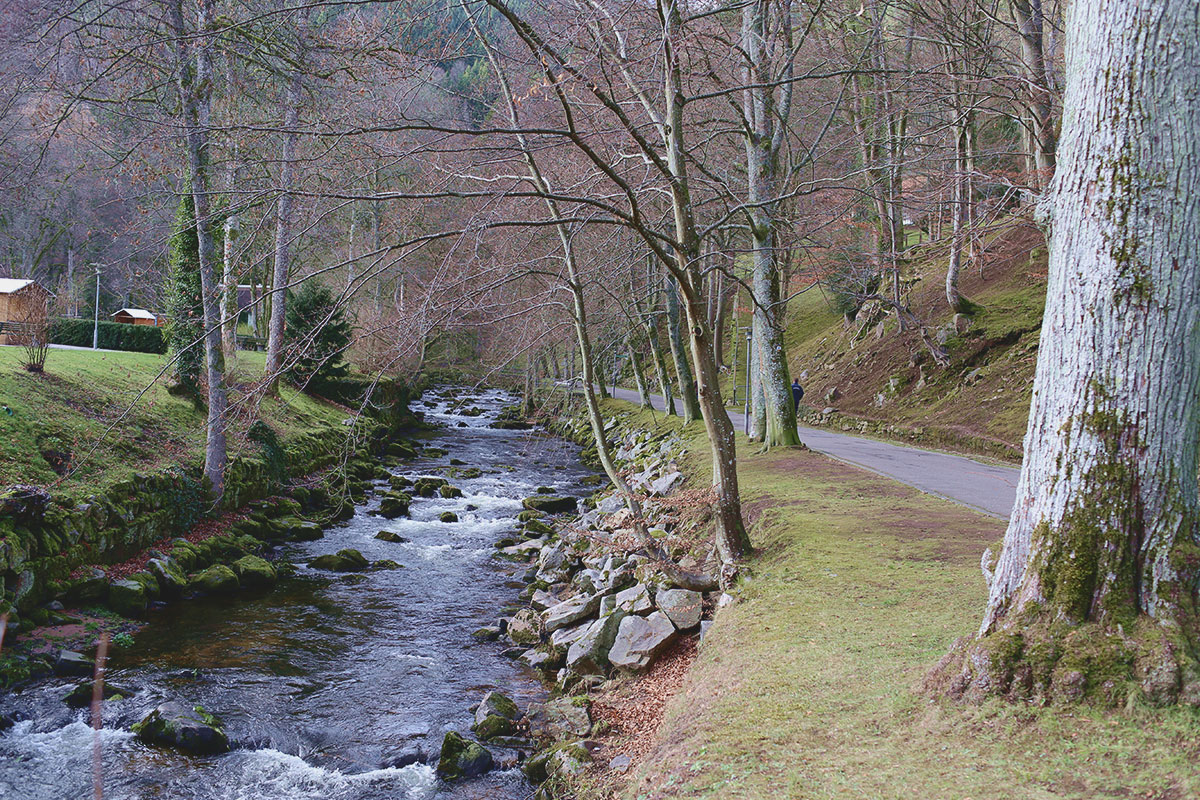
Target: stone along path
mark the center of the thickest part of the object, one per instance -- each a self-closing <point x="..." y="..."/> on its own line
<point x="989" y="488"/>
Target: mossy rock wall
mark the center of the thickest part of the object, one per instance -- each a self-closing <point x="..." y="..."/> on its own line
<point x="45" y="537"/>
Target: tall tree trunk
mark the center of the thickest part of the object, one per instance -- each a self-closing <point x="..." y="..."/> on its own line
<point x="195" y="92"/>
<point x="639" y="374"/>
<point x="731" y="540"/>
<point x="683" y="369"/>
<point x="72" y="309"/>
<point x="283" y="234"/>
<point x="650" y="320"/>
<point x="766" y="118"/>
<point x="724" y="301"/>
<point x="229" y="282"/>
<point x="1040" y="100"/>
<point x="1096" y="585"/>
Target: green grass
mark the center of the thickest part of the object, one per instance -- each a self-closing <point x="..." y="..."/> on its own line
<point x="809" y="686"/>
<point x="86" y="408"/>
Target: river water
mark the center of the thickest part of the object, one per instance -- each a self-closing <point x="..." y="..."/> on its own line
<point x="332" y="687"/>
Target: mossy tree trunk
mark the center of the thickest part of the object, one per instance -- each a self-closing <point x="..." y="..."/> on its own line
<point x="1095" y="590"/>
<point x="194" y="82"/>
<point x="766" y="107"/>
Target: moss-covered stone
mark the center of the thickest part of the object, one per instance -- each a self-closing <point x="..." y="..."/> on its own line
<point x="448" y="491"/>
<point x="395" y="504"/>
<point x="191" y="729"/>
<point x="428" y="487"/>
<point x="217" y="579"/>
<point x="448" y="516"/>
<point x="347" y="560"/>
<point x="550" y="504"/>
<point x="254" y="572"/>
<point x="128" y="598"/>
<point x="462" y="758"/>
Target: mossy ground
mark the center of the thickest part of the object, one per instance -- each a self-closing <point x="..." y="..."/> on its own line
<point x="810" y="685"/>
<point x="58" y="432"/>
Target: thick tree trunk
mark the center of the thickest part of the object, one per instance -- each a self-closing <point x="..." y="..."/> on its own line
<point x="1096" y="584"/>
<point x="195" y="91"/>
<point x="283" y="235"/>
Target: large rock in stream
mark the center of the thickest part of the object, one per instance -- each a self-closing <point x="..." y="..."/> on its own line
<point x="190" y="729"/>
<point x="462" y="758"/>
<point x="550" y="503"/>
<point x="347" y="560"/>
<point x="496" y="715"/>
<point x="254" y="572"/>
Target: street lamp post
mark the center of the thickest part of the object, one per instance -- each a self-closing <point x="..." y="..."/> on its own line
<point x="96" y="323"/>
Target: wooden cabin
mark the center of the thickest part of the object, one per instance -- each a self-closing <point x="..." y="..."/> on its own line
<point x="137" y="316"/>
<point x="19" y="301"/>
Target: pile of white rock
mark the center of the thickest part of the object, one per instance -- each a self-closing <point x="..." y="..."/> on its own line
<point x="595" y="603"/>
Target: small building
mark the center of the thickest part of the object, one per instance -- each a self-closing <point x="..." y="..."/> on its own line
<point x="137" y="316"/>
<point x="20" y="299"/>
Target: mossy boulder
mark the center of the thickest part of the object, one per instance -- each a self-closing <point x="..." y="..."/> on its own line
<point x="448" y="491"/>
<point x="428" y="487"/>
<point x="254" y="572"/>
<point x="550" y="504"/>
<point x="462" y="758"/>
<point x="190" y="729"/>
<point x="492" y="726"/>
<point x="497" y="704"/>
<point x="390" y="536"/>
<point x="547" y="490"/>
<point x="348" y="560"/>
<point x="395" y="504"/>
<point x="385" y="564"/>
<point x="217" y="579"/>
<point x="82" y="695"/>
<point x="399" y="482"/>
<point x="528" y="514"/>
<point x="147" y="580"/>
<point x="535" y="527"/>
<point x="448" y="516"/>
<point x="401" y="450"/>
<point x="172" y="580"/>
<point x="301" y="530"/>
<point x="128" y="598"/>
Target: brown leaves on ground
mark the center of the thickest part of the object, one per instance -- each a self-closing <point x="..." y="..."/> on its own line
<point x="633" y="709"/>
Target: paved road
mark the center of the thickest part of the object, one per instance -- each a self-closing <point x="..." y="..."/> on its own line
<point x="986" y="487"/>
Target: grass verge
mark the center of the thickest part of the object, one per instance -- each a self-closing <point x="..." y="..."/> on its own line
<point x="808" y="687"/>
<point x="64" y="428"/>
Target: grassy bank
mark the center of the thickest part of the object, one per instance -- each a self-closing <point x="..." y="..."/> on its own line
<point x="809" y="686"/>
<point x="82" y="425"/>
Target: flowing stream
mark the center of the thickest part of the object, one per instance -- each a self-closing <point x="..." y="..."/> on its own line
<point x="332" y="686"/>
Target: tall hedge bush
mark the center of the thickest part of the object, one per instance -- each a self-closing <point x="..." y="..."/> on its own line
<point x="113" y="335"/>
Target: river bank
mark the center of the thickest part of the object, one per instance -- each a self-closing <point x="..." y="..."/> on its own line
<point x="811" y="684"/>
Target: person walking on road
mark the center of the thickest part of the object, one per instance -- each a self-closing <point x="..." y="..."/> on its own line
<point x="797" y="395"/>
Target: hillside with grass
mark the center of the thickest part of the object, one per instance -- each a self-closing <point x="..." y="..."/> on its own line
<point x="95" y="418"/>
<point x="879" y="379"/>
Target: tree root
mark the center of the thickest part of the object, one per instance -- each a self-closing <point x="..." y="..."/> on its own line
<point x="1055" y="662"/>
